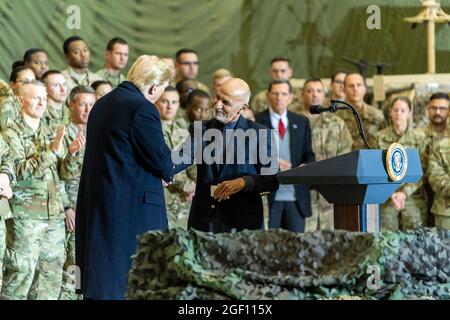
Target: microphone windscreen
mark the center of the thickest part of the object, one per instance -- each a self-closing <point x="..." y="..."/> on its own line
<point x="315" y="109"/>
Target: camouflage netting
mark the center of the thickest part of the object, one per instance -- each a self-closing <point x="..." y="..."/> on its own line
<point x="277" y="264"/>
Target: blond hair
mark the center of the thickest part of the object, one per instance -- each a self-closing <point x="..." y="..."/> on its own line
<point x="221" y="73"/>
<point x="148" y="70"/>
<point x="24" y="88"/>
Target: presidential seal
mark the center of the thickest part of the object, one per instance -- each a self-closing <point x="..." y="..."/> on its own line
<point x="396" y="161"/>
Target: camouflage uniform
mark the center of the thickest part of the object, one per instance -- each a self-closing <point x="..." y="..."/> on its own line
<point x="429" y="137"/>
<point x="439" y="177"/>
<point x="114" y="80"/>
<point x="70" y="171"/>
<point x="9" y="106"/>
<point x="2" y="246"/>
<point x="74" y="79"/>
<point x="373" y="121"/>
<point x="6" y="167"/>
<point x="177" y="207"/>
<point x="54" y="118"/>
<point x="260" y="102"/>
<point x="330" y="138"/>
<point x="415" y="213"/>
<point x="181" y="115"/>
<point x="35" y="243"/>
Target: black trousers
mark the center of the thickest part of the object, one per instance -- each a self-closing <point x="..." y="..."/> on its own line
<point x="286" y="215"/>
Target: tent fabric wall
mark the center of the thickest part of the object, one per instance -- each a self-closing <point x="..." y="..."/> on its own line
<point x="241" y="35"/>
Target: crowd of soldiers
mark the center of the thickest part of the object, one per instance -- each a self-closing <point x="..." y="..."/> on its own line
<point x="43" y="117"/>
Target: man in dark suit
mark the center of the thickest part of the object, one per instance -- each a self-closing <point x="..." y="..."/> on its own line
<point x="230" y="179"/>
<point x="121" y="194"/>
<point x="290" y="205"/>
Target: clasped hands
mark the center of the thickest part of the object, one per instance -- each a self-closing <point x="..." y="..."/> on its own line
<point x="227" y="188"/>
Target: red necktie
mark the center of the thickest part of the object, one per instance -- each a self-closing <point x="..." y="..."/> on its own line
<point x="281" y="128"/>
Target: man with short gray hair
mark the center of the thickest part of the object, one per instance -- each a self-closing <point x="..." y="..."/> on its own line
<point x="228" y="190"/>
<point x="82" y="100"/>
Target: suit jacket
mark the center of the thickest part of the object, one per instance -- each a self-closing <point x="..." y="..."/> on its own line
<point x="120" y="194"/>
<point x="244" y="210"/>
<point x="301" y="152"/>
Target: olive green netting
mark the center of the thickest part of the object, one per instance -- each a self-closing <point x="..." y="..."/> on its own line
<point x="278" y="264"/>
<point x="241" y="35"/>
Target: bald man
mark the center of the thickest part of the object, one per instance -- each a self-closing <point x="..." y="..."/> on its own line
<point x="235" y="164"/>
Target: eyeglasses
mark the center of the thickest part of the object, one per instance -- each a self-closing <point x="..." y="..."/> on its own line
<point x="441" y="109"/>
<point x="338" y="81"/>
<point x="188" y="90"/>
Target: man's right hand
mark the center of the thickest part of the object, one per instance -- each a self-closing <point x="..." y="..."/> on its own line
<point x="77" y="143"/>
<point x="284" y="165"/>
<point x="57" y="144"/>
<point x="70" y="220"/>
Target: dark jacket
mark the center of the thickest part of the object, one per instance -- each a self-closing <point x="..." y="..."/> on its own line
<point x="120" y="195"/>
<point x="244" y="210"/>
<point x="301" y="152"/>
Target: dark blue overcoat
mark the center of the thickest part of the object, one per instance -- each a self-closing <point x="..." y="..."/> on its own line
<point x="121" y="194"/>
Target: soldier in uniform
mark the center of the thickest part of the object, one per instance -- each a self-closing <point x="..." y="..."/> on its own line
<point x="407" y="207"/>
<point x="101" y="88"/>
<point x="173" y="72"/>
<point x="438" y="128"/>
<point x="78" y="56"/>
<point x="372" y="118"/>
<point x="116" y="57"/>
<point x="337" y="91"/>
<point x="6" y="177"/>
<point x="279" y="70"/>
<point x="330" y="138"/>
<point x="178" y="195"/>
<point x="36" y="60"/>
<point x="9" y="103"/>
<point x="82" y="100"/>
<point x="184" y="88"/>
<point x="439" y="177"/>
<point x="198" y="106"/>
<point x="187" y="66"/>
<point x="34" y="254"/>
<point x="220" y="76"/>
<point x="56" y="113"/>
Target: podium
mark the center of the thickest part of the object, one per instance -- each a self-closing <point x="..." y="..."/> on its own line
<point x="355" y="183"/>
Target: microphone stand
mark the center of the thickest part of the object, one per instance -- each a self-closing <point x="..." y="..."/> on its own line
<point x="334" y="106"/>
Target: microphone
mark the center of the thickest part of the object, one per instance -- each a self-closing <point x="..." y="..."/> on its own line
<point x="332" y="108"/>
<point x="342" y="105"/>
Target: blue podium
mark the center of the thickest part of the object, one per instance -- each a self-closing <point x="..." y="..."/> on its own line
<point x="354" y="182"/>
